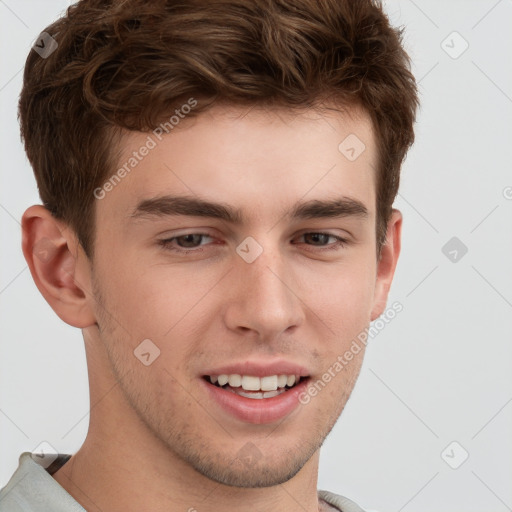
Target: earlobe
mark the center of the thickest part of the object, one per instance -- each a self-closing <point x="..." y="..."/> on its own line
<point x="387" y="263"/>
<point x="58" y="266"/>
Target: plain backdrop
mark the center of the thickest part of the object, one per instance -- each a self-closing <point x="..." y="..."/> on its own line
<point x="436" y="384"/>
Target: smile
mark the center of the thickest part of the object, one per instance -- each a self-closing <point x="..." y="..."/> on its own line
<point x="257" y="400"/>
<point x="253" y="387"/>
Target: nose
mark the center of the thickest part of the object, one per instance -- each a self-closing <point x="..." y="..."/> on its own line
<point x="263" y="296"/>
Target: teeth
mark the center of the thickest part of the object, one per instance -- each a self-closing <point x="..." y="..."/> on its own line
<point x="235" y="381"/>
<point x="269" y="383"/>
<point x="250" y="383"/>
<point x="223" y="380"/>
<point x="258" y="396"/>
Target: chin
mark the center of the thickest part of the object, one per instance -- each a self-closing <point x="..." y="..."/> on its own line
<point x="252" y="474"/>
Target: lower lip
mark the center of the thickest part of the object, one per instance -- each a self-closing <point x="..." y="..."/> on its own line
<point x="253" y="410"/>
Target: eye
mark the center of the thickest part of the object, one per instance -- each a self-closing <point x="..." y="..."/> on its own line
<point x="187" y="241"/>
<point x="319" y="239"/>
<point x="191" y="242"/>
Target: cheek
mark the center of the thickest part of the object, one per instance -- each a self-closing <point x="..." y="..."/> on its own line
<point x="166" y="305"/>
<point x="139" y="290"/>
<point x="159" y="300"/>
<point x="170" y="298"/>
<point x="343" y="297"/>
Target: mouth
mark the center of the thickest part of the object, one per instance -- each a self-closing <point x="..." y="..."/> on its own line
<point x="253" y="387"/>
<point x="258" y="405"/>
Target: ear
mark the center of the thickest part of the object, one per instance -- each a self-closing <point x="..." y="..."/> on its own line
<point x="387" y="264"/>
<point x="59" y="266"/>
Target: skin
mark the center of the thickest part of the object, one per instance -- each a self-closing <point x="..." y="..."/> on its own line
<point x="155" y="442"/>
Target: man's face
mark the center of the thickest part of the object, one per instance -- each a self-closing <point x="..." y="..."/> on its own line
<point x="268" y="288"/>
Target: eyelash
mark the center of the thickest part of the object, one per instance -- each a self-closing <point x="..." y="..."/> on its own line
<point x="166" y="243"/>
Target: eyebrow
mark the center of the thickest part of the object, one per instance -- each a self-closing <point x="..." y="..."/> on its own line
<point x="170" y="205"/>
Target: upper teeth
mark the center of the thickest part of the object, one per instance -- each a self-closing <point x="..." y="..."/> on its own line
<point x="251" y="383"/>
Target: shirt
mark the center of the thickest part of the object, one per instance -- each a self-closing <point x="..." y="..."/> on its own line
<point x="33" y="489"/>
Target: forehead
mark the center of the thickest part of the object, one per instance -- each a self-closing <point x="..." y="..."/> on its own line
<point x="258" y="159"/>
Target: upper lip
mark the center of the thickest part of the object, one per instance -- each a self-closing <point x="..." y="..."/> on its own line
<point x="260" y="369"/>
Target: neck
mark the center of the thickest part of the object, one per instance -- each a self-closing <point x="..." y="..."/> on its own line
<point x="123" y="467"/>
<point x="118" y="470"/>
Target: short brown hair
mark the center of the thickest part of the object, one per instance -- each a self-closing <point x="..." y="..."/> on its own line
<point x="126" y="64"/>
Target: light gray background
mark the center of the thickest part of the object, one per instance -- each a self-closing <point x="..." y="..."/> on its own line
<point x="440" y="372"/>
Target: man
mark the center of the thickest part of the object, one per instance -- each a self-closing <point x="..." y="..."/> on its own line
<point x="217" y="182"/>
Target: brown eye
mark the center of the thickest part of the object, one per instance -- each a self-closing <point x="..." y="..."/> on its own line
<point x="317" y="238"/>
<point x="321" y="240"/>
<point x="189" y="240"/>
<point x="180" y="243"/>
